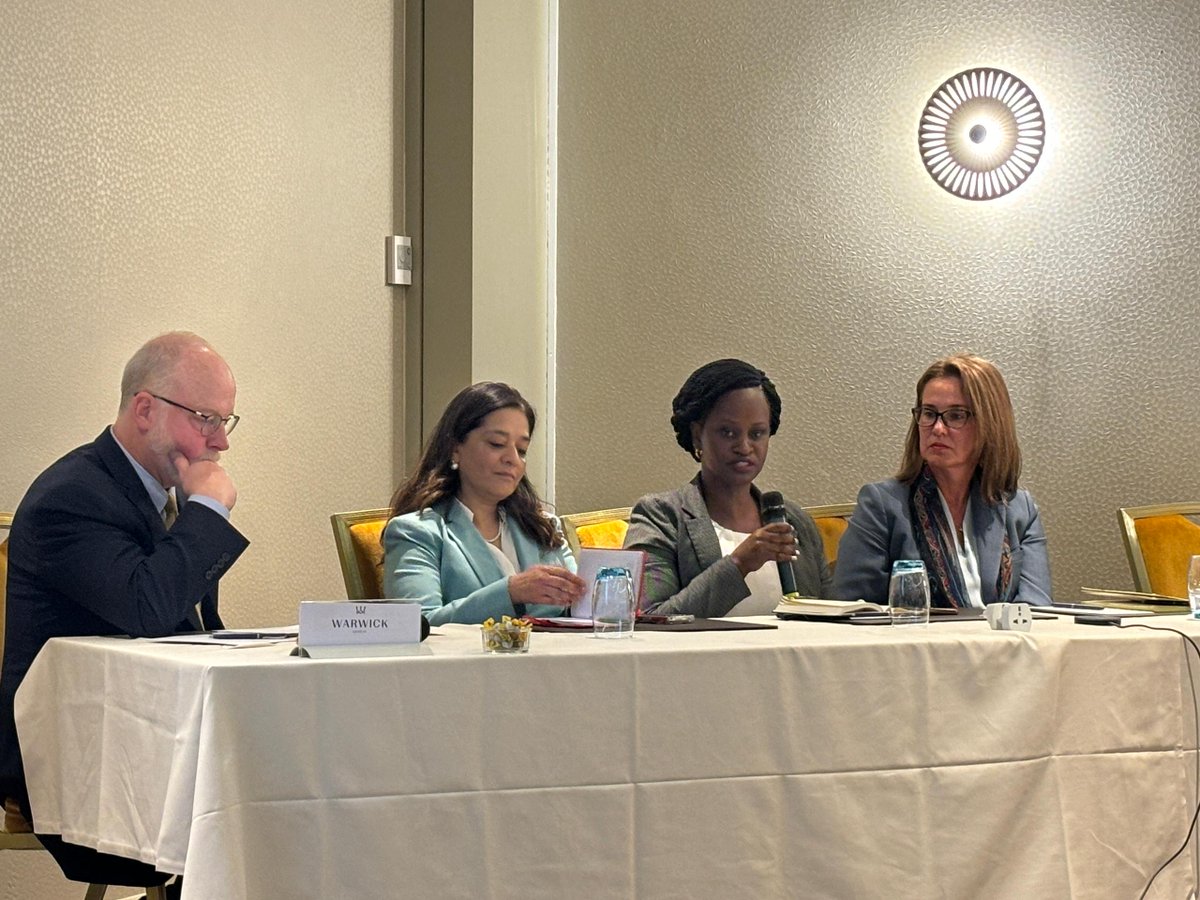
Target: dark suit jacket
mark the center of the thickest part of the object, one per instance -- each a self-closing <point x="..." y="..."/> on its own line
<point x="881" y="532"/>
<point x="685" y="571"/>
<point x="89" y="555"/>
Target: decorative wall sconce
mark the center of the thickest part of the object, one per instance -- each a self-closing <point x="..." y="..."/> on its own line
<point x="982" y="133"/>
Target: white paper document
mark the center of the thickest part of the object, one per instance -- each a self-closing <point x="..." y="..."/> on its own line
<point x="592" y="560"/>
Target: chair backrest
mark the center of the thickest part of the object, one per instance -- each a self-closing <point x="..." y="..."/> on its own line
<point x="600" y="528"/>
<point x="832" y="521"/>
<point x="15" y="831"/>
<point x="360" y="551"/>
<point x="1159" y="542"/>
<point x="5" y="524"/>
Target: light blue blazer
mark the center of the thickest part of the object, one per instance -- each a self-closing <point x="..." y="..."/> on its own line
<point x="438" y="556"/>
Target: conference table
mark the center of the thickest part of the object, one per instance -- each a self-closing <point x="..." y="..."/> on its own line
<point x="809" y="760"/>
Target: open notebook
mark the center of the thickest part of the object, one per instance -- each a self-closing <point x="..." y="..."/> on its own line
<point x="836" y="609"/>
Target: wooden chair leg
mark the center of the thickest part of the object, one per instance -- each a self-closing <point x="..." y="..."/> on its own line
<point x="95" y="892"/>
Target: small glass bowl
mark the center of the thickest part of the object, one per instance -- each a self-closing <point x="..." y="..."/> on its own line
<point x="506" y="636"/>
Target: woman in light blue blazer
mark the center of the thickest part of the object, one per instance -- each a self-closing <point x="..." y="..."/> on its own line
<point x="468" y="537"/>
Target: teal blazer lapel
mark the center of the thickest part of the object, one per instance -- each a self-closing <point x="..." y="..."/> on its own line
<point x="528" y="552"/>
<point x="461" y="532"/>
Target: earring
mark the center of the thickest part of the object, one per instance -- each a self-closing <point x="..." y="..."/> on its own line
<point x="699" y="454"/>
<point x="453" y="465"/>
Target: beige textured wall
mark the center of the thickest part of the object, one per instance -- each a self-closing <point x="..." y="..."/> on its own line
<point x="744" y="180"/>
<point x="223" y="167"/>
<point x="508" y="194"/>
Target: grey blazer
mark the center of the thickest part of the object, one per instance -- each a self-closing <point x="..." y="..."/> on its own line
<point x="685" y="571"/>
<point x="881" y="532"/>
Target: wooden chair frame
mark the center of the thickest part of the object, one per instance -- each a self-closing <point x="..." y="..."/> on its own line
<point x="347" y="554"/>
<point x="5" y="525"/>
<point x="831" y="511"/>
<point x="1127" y="516"/>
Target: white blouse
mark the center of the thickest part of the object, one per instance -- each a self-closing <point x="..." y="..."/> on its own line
<point x="968" y="559"/>
<point x="765" y="588"/>
<point x="506" y="554"/>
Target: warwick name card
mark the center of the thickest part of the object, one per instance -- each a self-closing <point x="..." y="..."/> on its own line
<point x="333" y="628"/>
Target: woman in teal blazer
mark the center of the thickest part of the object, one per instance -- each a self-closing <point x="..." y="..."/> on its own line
<point x="468" y="537"/>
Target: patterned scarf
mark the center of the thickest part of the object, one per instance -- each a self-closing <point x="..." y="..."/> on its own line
<point x="935" y="540"/>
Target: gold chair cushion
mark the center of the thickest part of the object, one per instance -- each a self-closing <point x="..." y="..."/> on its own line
<point x="1168" y="543"/>
<point x="831" y="528"/>
<point x="608" y="535"/>
<point x="368" y="554"/>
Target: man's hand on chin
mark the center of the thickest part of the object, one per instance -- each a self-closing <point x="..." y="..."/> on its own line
<point x="204" y="476"/>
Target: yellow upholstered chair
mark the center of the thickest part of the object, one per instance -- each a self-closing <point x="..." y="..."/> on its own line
<point x="360" y="551"/>
<point x="15" y="833"/>
<point x="15" y="830"/>
<point x="1159" y="541"/>
<point x="600" y="528"/>
<point x="5" y="524"/>
<point x="832" y="522"/>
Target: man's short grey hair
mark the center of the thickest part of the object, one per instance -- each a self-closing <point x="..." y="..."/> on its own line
<point x="152" y="368"/>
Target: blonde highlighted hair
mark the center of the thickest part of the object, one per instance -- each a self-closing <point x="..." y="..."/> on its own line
<point x="996" y="428"/>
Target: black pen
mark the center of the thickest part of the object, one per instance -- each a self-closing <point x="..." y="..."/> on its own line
<point x="251" y="635"/>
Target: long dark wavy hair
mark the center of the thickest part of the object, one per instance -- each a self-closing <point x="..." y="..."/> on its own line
<point x="434" y="483"/>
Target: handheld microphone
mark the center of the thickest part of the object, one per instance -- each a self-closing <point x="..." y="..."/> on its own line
<point x="772" y="512"/>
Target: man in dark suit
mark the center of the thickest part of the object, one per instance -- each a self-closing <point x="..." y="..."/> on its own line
<point x="127" y="535"/>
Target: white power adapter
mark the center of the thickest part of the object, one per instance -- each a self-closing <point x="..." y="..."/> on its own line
<point x="1009" y="616"/>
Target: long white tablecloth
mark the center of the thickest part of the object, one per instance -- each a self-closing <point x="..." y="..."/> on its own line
<point x="816" y="760"/>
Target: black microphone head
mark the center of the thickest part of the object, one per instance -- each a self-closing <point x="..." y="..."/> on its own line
<point x="772" y="512"/>
<point x="772" y="507"/>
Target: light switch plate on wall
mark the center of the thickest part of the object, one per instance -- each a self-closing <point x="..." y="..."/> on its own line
<point x="398" y="259"/>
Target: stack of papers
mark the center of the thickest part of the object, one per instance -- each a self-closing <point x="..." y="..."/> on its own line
<point x="1083" y="609"/>
<point x="1114" y="596"/>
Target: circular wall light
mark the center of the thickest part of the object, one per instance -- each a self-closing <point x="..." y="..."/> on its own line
<point x="982" y="133"/>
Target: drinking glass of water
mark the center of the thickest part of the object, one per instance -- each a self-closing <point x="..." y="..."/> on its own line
<point x="614" y="603"/>
<point x="1194" y="586"/>
<point x="908" y="593"/>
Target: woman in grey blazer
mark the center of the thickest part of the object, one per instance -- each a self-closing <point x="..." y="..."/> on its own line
<point x="708" y="550"/>
<point x="955" y="503"/>
<point x="468" y="538"/>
